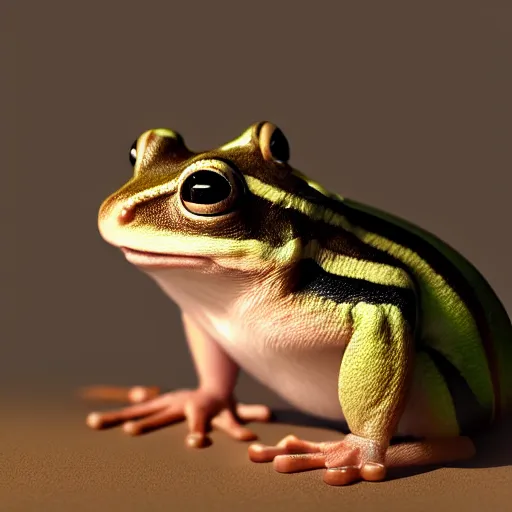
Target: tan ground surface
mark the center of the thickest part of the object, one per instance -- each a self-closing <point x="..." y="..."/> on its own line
<point x="52" y="462"/>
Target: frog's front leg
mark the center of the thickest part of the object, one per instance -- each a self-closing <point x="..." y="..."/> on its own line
<point x="212" y="404"/>
<point x="374" y="379"/>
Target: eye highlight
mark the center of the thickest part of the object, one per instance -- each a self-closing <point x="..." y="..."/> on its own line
<point x="208" y="192"/>
<point x="273" y="143"/>
<point x="133" y="154"/>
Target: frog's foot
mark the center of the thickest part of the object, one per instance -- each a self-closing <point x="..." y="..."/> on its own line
<point x="346" y="461"/>
<point x="357" y="458"/>
<point x="200" y="408"/>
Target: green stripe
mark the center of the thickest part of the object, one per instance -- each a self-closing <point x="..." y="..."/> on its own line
<point x="496" y="318"/>
<point x="459" y="339"/>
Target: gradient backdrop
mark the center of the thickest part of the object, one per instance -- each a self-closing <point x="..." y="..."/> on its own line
<point x="404" y="108"/>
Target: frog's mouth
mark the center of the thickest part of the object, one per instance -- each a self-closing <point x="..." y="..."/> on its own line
<point x="160" y="260"/>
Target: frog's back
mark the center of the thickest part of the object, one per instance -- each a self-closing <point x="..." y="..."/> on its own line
<point x="465" y="330"/>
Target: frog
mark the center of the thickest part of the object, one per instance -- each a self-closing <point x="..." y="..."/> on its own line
<point x="349" y="313"/>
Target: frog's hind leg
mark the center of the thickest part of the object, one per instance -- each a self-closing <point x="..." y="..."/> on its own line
<point x="292" y="455"/>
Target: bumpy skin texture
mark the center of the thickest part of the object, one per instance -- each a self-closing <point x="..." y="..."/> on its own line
<point x="347" y="312"/>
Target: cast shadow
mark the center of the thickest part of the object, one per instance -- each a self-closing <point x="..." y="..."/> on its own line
<point x="493" y="446"/>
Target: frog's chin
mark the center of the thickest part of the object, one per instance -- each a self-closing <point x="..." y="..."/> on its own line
<point x="154" y="260"/>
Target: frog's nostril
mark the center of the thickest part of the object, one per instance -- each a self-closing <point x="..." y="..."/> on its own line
<point x="126" y="215"/>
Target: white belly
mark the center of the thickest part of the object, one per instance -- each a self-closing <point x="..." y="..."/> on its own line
<point x="307" y="378"/>
<point x="297" y="366"/>
<point x="290" y="357"/>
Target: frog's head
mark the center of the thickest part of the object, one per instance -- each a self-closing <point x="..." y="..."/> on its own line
<point x="235" y="206"/>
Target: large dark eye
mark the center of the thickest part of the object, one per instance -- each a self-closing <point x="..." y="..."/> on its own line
<point x="273" y="143"/>
<point x="133" y="153"/>
<point x="279" y="147"/>
<point x="207" y="193"/>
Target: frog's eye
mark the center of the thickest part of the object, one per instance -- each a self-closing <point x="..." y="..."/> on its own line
<point x="273" y="143"/>
<point x="133" y="153"/>
<point x="208" y="192"/>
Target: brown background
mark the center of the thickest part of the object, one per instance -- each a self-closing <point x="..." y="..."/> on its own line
<point x="409" y="110"/>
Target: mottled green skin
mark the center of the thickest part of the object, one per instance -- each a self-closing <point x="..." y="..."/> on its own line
<point x="436" y="307"/>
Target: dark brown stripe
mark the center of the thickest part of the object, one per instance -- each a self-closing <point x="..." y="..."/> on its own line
<point x="313" y="279"/>
<point x="340" y="241"/>
<point x="471" y="416"/>
<point x="441" y="265"/>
